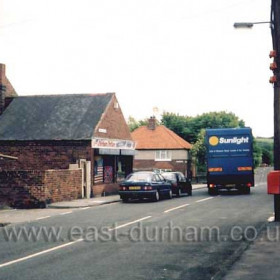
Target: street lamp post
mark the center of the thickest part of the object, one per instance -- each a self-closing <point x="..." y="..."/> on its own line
<point x="275" y="33"/>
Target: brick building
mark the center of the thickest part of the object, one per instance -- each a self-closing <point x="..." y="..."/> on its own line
<point x="157" y="147"/>
<point x="45" y="141"/>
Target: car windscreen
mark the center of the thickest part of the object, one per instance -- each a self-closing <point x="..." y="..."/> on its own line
<point x="139" y="177"/>
<point x="169" y="176"/>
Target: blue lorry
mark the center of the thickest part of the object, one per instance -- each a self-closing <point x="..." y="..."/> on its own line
<point x="229" y="159"/>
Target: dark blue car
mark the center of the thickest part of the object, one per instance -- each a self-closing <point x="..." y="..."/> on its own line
<point x="145" y="185"/>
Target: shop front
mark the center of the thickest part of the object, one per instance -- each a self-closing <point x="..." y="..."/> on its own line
<point x="113" y="161"/>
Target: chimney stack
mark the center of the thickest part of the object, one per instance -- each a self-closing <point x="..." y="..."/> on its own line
<point x="152" y="123"/>
<point x="2" y="87"/>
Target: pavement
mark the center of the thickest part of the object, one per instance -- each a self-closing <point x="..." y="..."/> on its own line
<point x="259" y="260"/>
<point x="80" y="203"/>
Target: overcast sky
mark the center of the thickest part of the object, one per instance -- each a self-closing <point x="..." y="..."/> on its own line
<point x="182" y="56"/>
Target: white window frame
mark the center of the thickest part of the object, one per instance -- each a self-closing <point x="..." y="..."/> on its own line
<point x="163" y="155"/>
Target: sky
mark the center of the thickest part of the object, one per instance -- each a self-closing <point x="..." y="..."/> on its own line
<point x="180" y="56"/>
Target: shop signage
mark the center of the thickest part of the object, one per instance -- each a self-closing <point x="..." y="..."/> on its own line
<point x="98" y="143"/>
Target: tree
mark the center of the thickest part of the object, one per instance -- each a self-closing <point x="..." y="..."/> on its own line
<point x="134" y="124"/>
<point x="189" y="127"/>
<point x="199" y="152"/>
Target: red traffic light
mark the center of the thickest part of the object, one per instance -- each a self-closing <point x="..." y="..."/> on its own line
<point x="273" y="66"/>
<point x="272" y="54"/>
<point x="273" y="79"/>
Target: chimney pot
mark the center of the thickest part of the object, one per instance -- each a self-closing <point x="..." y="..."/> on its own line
<point x="152" y="123"/>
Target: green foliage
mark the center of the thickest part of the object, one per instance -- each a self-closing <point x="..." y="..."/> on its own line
<point x="266" y="147"/>
<point x="257" y="153"/>
<point x="199" y="152"/>
<point x="134" y="124"/>
<point x="190" y="127"/>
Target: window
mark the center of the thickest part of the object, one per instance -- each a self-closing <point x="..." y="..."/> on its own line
<point x="163" y="155"/>
<point x="181" y="177"/>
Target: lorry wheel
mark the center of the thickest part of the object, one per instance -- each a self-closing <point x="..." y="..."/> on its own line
<point x="212" y="191"/>
<point x="246" y="190"/>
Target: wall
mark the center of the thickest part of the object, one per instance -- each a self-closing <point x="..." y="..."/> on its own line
<point x="174" y="165"/>
<point x="145" y="160"/>
<point x="150" y="154"/>
<point x="43" y="155"/>
<point x="36" y="188"/>
<point x="113" y="121"/>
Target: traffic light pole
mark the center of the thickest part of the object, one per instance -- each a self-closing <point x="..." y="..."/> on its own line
<point x="275" y="32"/>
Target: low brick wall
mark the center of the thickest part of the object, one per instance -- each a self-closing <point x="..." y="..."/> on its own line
<point x="30" y="188"/>
<point x="63" y="184"/>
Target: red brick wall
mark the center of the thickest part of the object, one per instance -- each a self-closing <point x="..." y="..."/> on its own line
<point x="63" y="184"/>
<point x="15" y="186"/>
<point x="113" y="121"/>
<point x="43" y="155"/>
<point x="30" y="188"/>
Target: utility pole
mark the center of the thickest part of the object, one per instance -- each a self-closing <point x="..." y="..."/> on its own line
<point x="275" y="32"/>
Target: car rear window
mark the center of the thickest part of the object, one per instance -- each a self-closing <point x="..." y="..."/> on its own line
<point x="139" y="177"/>
<point x="169" y="176"/>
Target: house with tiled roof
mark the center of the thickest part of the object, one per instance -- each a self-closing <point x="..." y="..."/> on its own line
<point x="158" y="147"/>
<point x="61" y="147"/>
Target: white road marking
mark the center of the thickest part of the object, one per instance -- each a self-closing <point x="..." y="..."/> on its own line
<point x="204" y="199"/>
<point x="66" y="213"/>
<point x="130" y="223"/>
<point x="175" y="208"/>
<point x="84" y="208"/>
<point x="64" y="245"/>
<point x="41" y="218"/>
<point x="40" y="253"/>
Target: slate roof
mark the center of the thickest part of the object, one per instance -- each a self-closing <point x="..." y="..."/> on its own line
<point x="158" y="139"/>
<point x="53" y="117"/>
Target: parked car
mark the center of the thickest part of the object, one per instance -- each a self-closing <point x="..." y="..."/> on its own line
<point x="145" y="185"/>
<point x="180" y="184"/>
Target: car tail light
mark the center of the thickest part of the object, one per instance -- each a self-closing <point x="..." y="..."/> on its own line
<point x="148" y="188"/>
<point x="122" y="188"/>
<point x="211" y="185"/>
<point x="249" y="185"/>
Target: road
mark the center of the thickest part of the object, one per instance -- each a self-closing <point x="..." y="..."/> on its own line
<point x="197" y="237"/>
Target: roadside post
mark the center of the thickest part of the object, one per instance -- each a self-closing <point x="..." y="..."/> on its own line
<point x="273" y="177"/>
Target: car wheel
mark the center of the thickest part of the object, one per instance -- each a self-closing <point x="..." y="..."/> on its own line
<point x="125" y="200"/>
<point x="170" y="194"/>
<point x="179" y="192"/>
<point x="190" y="192"/>
<point x="156" y="197"/>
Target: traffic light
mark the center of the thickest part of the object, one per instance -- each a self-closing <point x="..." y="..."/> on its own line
<point x="273" y="67"/>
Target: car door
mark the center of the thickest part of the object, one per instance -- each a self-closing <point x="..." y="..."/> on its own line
<point x="182" y="182"/>
<point x="165" y="186"/>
